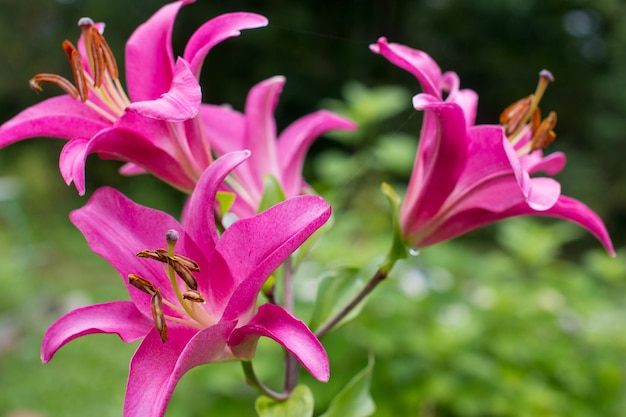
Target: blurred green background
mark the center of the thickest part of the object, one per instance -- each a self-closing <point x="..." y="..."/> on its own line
<point x="526" y="318"/>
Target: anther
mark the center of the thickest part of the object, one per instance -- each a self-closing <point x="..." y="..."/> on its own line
<point x="513" y="116"/>
<point x="161" y="255"/>
<point x="193" y="296"/>
<point x="516" y="116"/>
<point x="158" y="255"/>
<point x="158" y="316"/>
<point x="186" y="262"/>
<point x="184" y="274"/>
<point x="544" y="134"/>
<point x="63" y="83"/>
<point x="78" y="71"/>
<point x="142" y="284"/>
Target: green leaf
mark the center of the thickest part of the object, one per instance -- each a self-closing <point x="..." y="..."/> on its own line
<point x="225" y="200"/>
<point x="398" y="249"/>
<point x="354" y="399"/>
<point x="272" y="193"/>
<point x="299" y="404"/>
<point x="335" y="291"/>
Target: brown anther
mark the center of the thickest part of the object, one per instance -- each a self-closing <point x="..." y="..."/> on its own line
<point x="63" y="83"/>
<point x="107" y="56"/>
<point x="76" y="62"/>
<point x="535" y="120"/>
<point x="86" y="25"/>
<point x="158" y="255"/>
<point x="544" y="134"/>
<point x="182" y="265"/>
<point x="513" y="116"/>
<point x="184" y="274"/>
<point x="186" y="262"/>
<point x="158" y="316"/>
<point x="142" y="284"/>
<point x="99" y="54"/>
<point x="193" y="296"/>
<point x="161" y="255"/>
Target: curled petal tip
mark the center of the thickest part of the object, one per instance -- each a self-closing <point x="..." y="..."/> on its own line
<point x="375" y="47"/>
<point x="547" y="75"/>
<point x="422" y="101"/>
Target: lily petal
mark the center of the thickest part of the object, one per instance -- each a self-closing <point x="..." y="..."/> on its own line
<point x="284" y="228"/>
<point x="215" y="31"/>
<point x="261" y="132"/>
<point x="417" y="62"/>
<point x="149" y="54"/>
<point x="116" y="228"/>
<point x="570" y="209"/>
<point x="295" y="140"/>
<point x="565" y="208"/>
<point x="224" y="128"/>
<point x="118" y="317"/>
<point x="199" y="215"/>
<point x="544" y="193"/>
<point x="440" y="159"/>
<point x="156" y="367"/>
<point x="72" y="163"/>
<point x="551" y="164"/>
<point x="132" y="146"/>
<point x="60" y="117"/>
<point x="181" y="102"/>
<point x="276" y="323"/>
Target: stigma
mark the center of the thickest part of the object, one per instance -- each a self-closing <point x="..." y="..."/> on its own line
<point x="179" y="270"/>
<point x="96" y="76"/>
<point x="522" y="121"/>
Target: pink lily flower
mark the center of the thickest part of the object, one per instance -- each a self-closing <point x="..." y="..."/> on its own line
<point x="467" y="177"/>
<point x="155" y="127"/>
<point x="429" y="75"/>
<point x="281" y="158"/>
<point x="201" y="307"/>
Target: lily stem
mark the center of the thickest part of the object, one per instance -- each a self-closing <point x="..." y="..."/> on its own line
<point x="376" y="279"/>
<point x="291" y="363"/>
<point x="253" y="380"/>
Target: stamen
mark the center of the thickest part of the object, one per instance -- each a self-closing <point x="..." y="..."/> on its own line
<point x="544" y="134"/>
<point x="158" y="316"/>
<point x="141" y="283"/>
<point x="158" y="255"/>
<point x="186" y="262"/>
<point x="516" y="116"/>
<point x="184" y="274"/>
<point x="85" y="24"/>
<point x="76" y="62"/>
<point x="194" y="296"/>
<point x="63" y="83"/>
<point x="512" y="117"/>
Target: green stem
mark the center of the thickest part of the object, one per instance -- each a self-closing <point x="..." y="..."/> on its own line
<point x="256" y="383"/>
<point x="376" y="279"/>
<point x="291" y="363"/>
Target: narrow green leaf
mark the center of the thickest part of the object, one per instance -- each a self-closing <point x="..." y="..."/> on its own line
<point x="299" y="404"/>
<point x="225" y="200"/>
<point x="398" y="249"/>
<point x="354" y="399"/>
<point x="272" y="193"/>
<point x="335" y="291"/>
